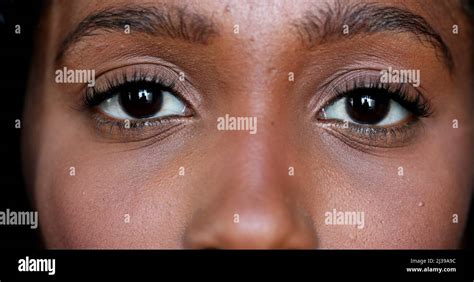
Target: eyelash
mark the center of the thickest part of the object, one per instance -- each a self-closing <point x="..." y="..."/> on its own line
<point x="416" y="104"/>
<point x="95" y="96"/>
<point x="411" y="99"/>
<point x="112" y="85"/>
<point x="401" y="93"/>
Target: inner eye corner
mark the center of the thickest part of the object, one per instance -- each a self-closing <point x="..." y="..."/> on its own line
<point x="138" y="100"/>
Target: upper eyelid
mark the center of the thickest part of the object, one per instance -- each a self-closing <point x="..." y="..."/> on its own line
<point x="128" y="72"/>
<point x="185" y="88"/>
<point x="115" y="85"/>
<point x="333" y="79"/>
<point x="326" y="91"/>
<point x="120" y="80"/>
<point x="148" y="61"/>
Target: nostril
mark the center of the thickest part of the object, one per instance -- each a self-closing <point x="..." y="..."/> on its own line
<point x="258" y="229"/>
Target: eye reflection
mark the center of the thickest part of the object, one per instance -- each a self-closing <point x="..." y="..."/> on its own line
<point x="138" y="100"/>
<point x="367" y="109"/>
<point x="140" y="103"/>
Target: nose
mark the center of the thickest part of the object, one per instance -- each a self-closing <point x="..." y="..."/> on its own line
<point x="255" y="226"/>
<point x="253" y="205"/>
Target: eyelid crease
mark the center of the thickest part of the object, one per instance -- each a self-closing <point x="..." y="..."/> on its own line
<point x="147" y="73"/>
<point x="95" y="95"/>
<point x="372" y="138"/>
<point x="400" y="93"/>
<point x="139" y="131"/>
<point x="346" y="80"/>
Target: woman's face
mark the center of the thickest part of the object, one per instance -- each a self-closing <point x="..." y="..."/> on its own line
<point x="251" y="124"/>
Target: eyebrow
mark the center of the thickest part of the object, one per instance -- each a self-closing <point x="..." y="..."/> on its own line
<point x="325" y="24"/>
<point x="173" y="22"/>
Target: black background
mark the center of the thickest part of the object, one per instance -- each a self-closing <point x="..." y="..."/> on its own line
<point x="15" y="54"/>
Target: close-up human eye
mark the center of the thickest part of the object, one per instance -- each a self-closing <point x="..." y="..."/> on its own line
<point x="138" y="100"/>
<point x="237" y="124"/>
<point x="367" y="106"/>
<point x="125" y="100"/>
<point x="382" y="114"/>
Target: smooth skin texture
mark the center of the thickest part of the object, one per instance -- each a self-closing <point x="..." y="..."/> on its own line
<point x="121" y="174"/>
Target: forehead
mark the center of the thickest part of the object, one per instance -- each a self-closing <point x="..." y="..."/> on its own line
<point x="264" y="25"/>
<point x="260" y="21"/>
<point x="261" y="15"/>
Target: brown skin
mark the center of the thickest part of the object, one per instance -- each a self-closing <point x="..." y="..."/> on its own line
<point x="233" y="172"/>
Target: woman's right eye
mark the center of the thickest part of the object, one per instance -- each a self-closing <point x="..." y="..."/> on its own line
<point x="141" y="101"/>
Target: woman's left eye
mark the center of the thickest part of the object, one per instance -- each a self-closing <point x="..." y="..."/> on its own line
<point x="367" y="109"/>
<point x="134" y="101"/>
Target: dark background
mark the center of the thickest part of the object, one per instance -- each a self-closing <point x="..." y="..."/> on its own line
<point x="15" y="55"/>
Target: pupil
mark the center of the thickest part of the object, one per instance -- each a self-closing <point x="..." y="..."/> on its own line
<point x="367" y="108"/>
<point x="141" y="102"/>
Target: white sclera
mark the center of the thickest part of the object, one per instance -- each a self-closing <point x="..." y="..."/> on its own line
<point x="337" y="110"/>
<point x="171" y="106"/>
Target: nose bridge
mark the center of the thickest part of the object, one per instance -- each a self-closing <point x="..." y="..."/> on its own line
<point x="251" y="136"/>
<point x="257" y="167"/>
<point x="251" y="200"/>
<point x="256" y="161"/>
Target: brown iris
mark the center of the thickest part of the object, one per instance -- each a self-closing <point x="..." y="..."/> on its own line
<point x="367" y="108"/>
<point x="141" y="100"/>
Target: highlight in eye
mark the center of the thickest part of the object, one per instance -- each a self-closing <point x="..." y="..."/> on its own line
<point x="136" y="96"/>
<point x="140" y="100"/>
<point x="139" y="103"/>
<point x="374" y="105"/>
<point x="374" y="113"/>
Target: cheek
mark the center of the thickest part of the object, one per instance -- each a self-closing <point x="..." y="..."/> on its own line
<point x="105" y="208"/>
<point x="422" y="205"/>
<point x="91" y="198"/>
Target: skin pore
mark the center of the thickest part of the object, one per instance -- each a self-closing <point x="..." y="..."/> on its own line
<point x="127" y="190"/>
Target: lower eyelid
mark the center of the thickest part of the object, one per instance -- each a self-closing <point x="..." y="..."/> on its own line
<point x="116" y="130"/>
<point x="368" y="138"/>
